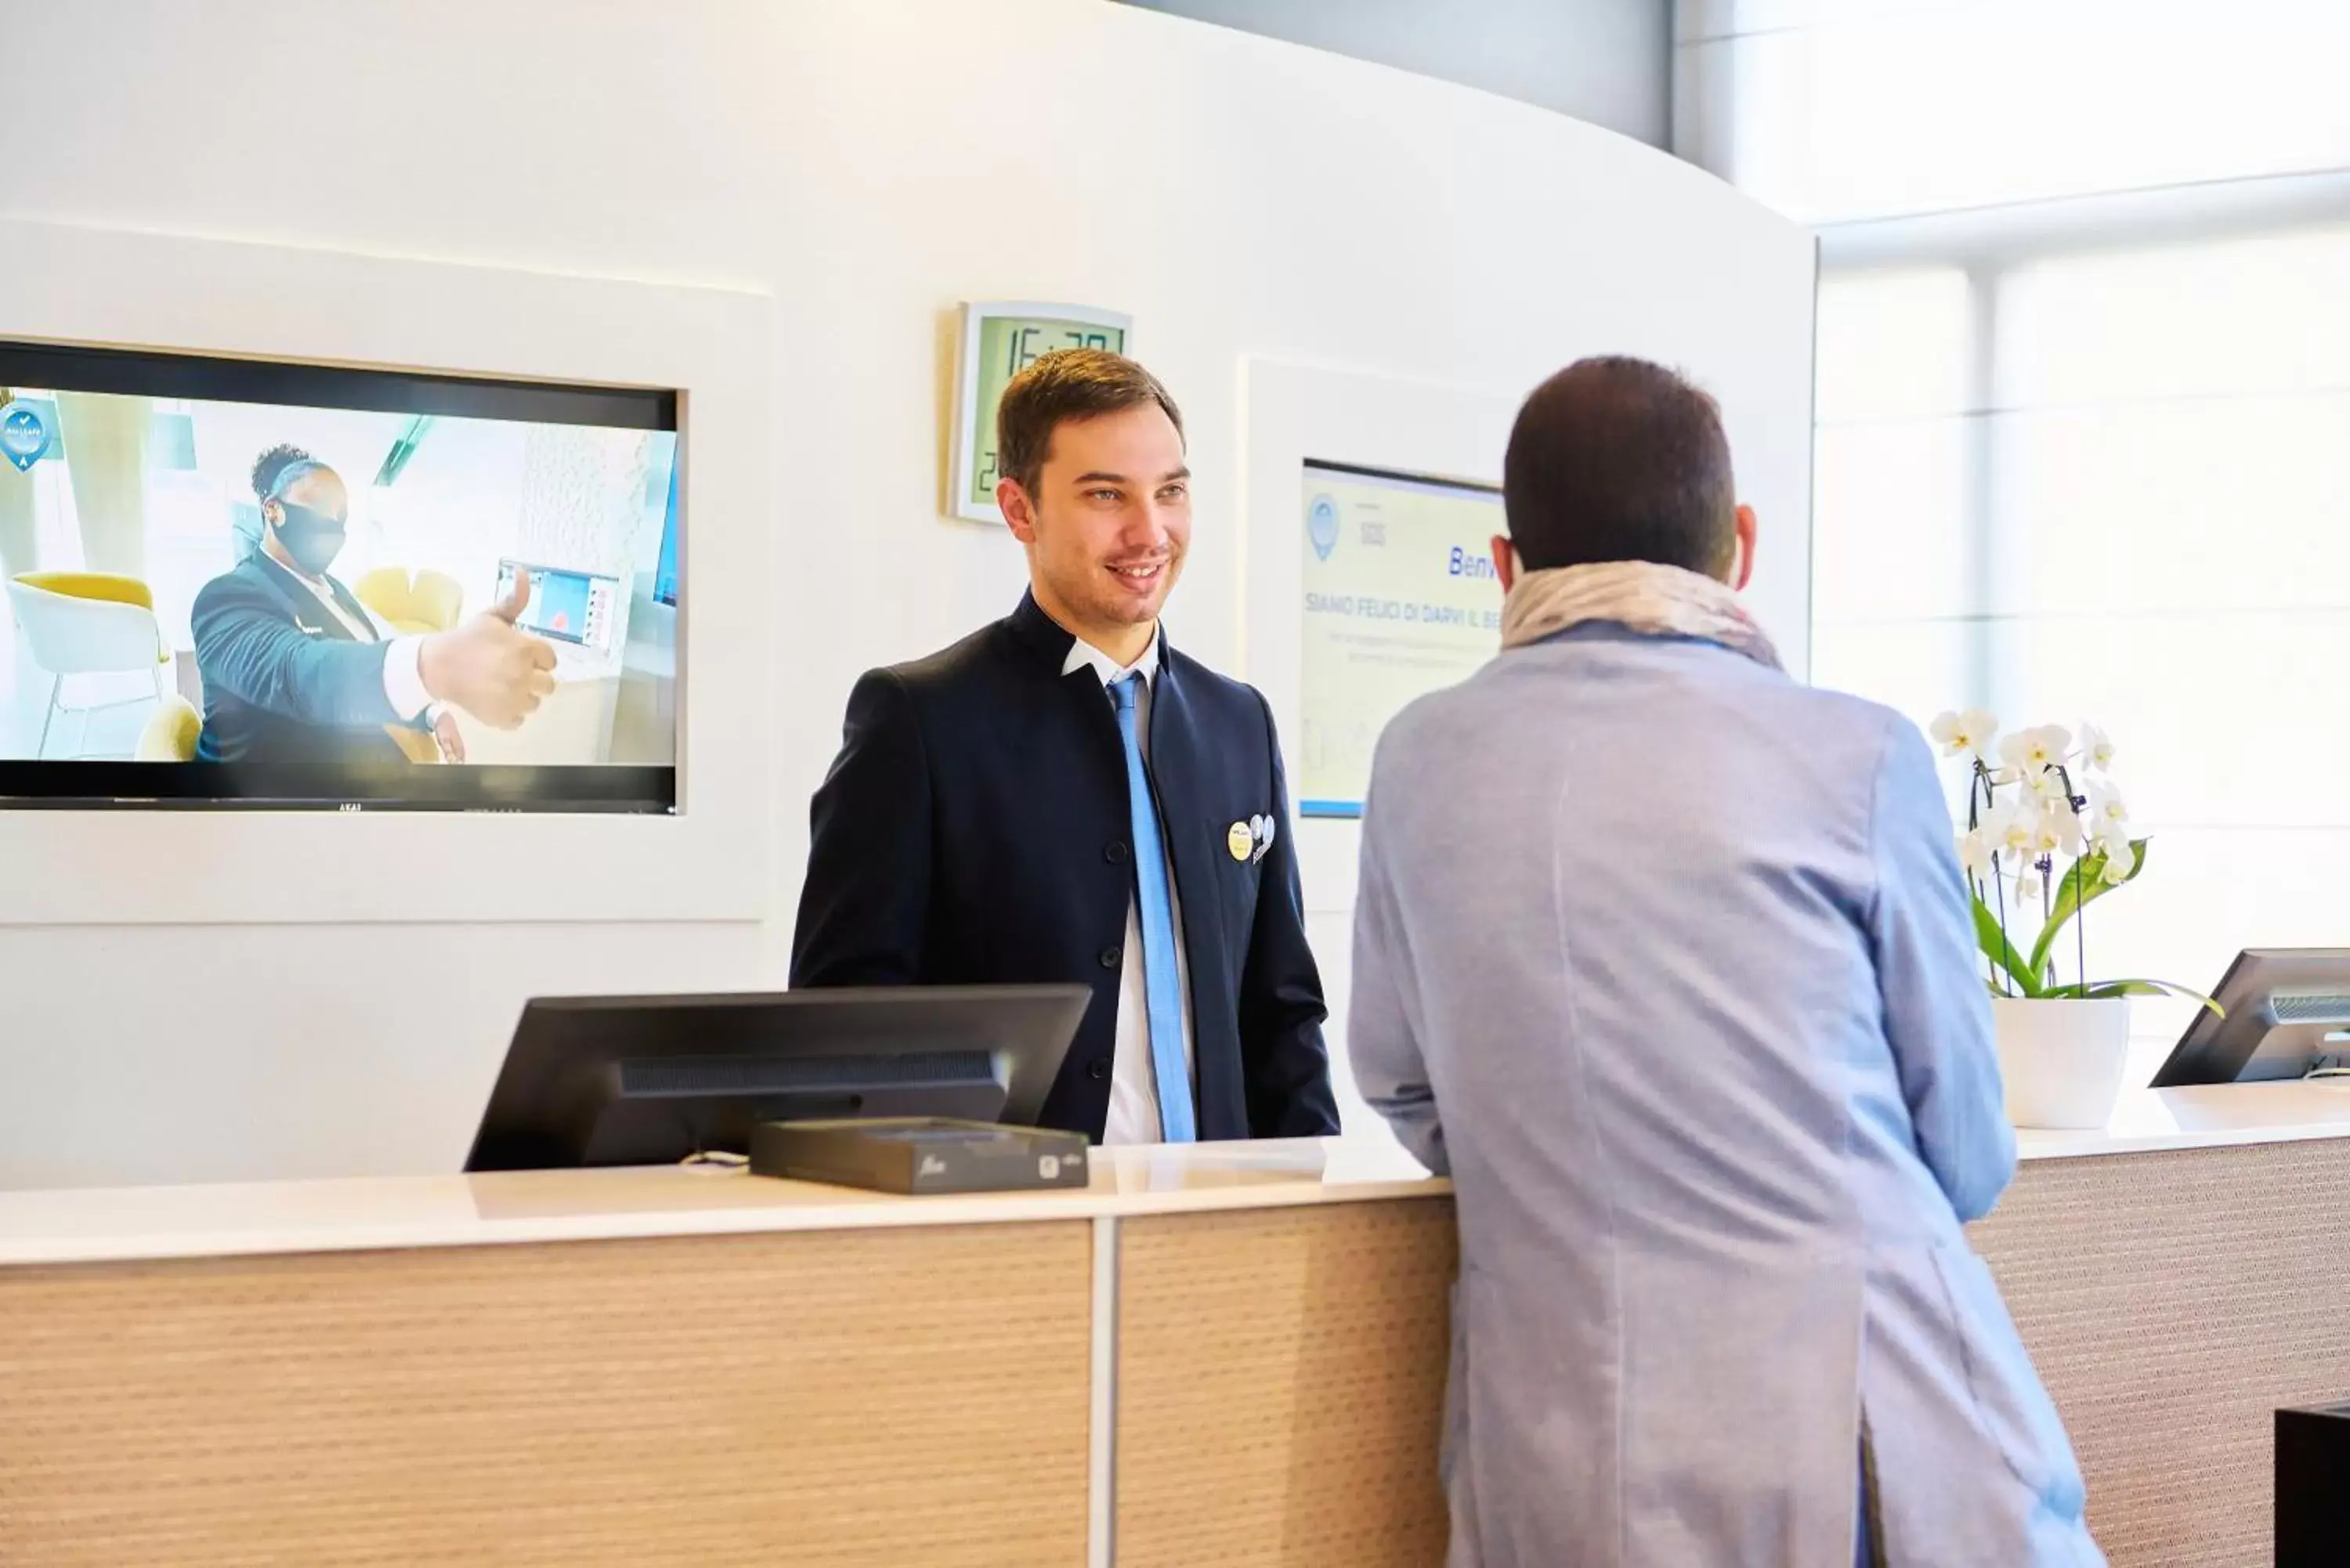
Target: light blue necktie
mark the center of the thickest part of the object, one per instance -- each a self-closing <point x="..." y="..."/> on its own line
<point x="1156" y="908"/>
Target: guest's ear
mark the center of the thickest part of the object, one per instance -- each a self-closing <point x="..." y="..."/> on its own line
<point x="1505" y="561"/>
<point x="1743" y="573"/>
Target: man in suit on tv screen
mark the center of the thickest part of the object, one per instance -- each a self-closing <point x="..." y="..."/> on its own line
<point x="296" y="670"/>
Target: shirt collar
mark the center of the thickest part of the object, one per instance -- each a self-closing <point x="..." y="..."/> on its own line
<point x="1083" y="655"/>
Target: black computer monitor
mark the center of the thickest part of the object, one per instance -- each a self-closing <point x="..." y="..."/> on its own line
<point x="2288" y="1016"/>
<point x="651" y="1080"/>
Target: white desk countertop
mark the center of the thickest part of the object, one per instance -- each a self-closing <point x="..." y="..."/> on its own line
<point x="360" y="1214"/>
<point x="2204" y="1117"/>
<point x="370" y="1213"/>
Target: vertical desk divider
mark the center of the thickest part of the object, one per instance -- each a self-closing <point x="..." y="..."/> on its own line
<point x="1101" y="1520"/>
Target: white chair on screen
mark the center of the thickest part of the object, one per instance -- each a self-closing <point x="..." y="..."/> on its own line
<point x="89" y="623"/>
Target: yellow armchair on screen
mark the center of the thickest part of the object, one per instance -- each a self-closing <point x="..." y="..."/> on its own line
<point x="170" y="735"/>
<point x="430" y="601"/>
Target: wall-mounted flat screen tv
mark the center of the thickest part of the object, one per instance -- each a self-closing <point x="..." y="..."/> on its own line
<point x="228" y="583"/>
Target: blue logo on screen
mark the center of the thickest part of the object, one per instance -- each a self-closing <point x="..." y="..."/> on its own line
<point x="1322" y="526"/>
<point x="23" y="437"/>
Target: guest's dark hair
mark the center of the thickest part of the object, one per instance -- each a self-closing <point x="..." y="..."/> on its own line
<point x="1617" y="459"/>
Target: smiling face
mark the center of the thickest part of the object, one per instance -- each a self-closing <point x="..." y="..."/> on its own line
<point x="1106" y="525"/>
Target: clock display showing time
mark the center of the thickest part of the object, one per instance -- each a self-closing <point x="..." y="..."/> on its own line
<point x="999" y="341"/>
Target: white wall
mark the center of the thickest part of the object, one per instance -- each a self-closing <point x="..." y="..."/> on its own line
<point x="871" y="165"/>
<point x="1607" y="61"/>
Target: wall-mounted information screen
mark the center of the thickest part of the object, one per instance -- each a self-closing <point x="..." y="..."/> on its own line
<point x="1401" y="599"/>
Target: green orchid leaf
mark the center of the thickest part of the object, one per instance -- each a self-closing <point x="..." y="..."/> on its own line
<point x="2083" y="885"/>
<point x="2001" y="952"/>
<point x="2108" y="988"/>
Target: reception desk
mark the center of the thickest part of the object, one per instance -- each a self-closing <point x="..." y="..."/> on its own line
<point x="1230" y="1354"/>
<point x="1225" y="1353"/>
<point x="2177" y="1277"/>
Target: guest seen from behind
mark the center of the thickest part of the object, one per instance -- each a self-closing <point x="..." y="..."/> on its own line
<point x="1665" y="959"/>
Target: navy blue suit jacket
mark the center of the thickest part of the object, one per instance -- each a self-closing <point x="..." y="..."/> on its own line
<point x="284" y="680"/>
<point x="975" y="829"/>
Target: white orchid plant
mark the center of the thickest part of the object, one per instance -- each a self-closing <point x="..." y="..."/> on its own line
<point x="2046" y="828"/>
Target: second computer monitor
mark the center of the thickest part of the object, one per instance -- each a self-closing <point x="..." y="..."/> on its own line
<point x="2285" y="1013"/>
<point x="565" y="606"/>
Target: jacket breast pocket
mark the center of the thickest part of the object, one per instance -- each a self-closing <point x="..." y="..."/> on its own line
<point x="1236" y="853"/>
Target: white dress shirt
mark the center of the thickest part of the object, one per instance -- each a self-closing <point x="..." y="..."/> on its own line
<point x="403" y="673"/>
<point x="1133" y="1083"/>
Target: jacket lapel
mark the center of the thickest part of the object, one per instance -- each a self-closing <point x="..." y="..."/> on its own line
<point x="310" y="617"/>
<point x="352" y="607"/>
<point x="1078" y="691"/>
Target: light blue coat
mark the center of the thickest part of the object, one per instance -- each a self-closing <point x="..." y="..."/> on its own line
<point x="1666" y="960"/>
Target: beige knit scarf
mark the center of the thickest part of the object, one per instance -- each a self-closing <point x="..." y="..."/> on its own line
<point x="1649" y="598"/>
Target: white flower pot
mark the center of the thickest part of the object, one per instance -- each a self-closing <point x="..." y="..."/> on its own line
<point x="2061" y="1061"/>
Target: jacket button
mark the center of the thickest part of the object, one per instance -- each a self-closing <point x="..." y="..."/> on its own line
<point x="1111" y="958"/>
<point x="1099" y="1068"/>
<point x="1115" y="852"/>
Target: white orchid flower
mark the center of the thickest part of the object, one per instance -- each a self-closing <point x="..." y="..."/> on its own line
<point x="1965" y="734"/>
<point x="1975" y="851"/>
<point x="2049" y="829"/>
<point x="2105" y="808"/>
<point x="2030" y="752"/>
<point x="2009" y="828"/>
<point x="2057" y="829"/>
<point x="2051" y="789"/>
<point x="2112" y="842"/>
<point x="2118" y="866"/>
<point x="2030" y="886"/>
<point x="2096" y="748"/>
